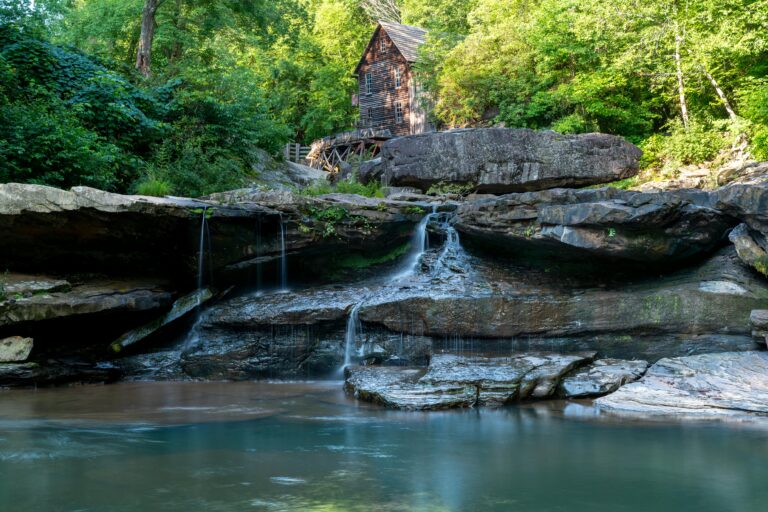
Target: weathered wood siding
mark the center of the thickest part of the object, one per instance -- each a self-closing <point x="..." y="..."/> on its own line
<point x="383" y="66"/>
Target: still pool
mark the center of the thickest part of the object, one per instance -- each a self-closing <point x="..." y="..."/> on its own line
<point x="307" y="447"/>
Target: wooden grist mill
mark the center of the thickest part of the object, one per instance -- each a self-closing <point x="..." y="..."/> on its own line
<point x="390" y="99"/>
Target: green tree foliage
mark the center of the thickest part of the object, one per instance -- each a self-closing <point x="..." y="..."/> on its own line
<point x="230" y="76"/>
<point x="586" y="65"/>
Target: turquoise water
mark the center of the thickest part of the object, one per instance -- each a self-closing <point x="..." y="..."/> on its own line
<point x="307" y="447"/>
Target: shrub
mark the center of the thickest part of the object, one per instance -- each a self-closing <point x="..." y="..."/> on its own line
<point x="46" y="144"/>
<point x="695" y="145"/>
<point x="153" y="187"/>
<point x="349" y="186"/>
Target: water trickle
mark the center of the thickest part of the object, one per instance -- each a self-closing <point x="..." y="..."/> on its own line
<point x="452" y="247"/>
<point x="283" y="259"/>
<point x="201" y="250"/>
<point x="354" y="327"/>
<point x="419" y="245"/>
<point x="193" y="335"/>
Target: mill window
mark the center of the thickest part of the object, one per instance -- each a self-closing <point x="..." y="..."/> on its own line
<point x="398" y="112"/>
<point x="368" y="83"/>
<point x="398" y="80"/>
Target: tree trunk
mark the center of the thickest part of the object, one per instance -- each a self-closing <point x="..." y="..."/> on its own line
<point x="720" y="94"/>
<point x="680" y="83"/>
<point x="148" y="24"/>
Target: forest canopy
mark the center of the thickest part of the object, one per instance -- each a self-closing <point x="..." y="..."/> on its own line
<point x="180" y="96"/>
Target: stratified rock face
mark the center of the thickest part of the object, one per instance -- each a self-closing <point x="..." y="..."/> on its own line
<point x="608" y="222"/>
<point x="715" y="298"/>
<point x="15" y="349"/>
<point x="52" y="372"/>
<point x="601" y="377"/>
<point x="454" y="381"/>
<point x="88" y="230"/>
<point x="500" y="160"/>
<point x="725" y="385"/>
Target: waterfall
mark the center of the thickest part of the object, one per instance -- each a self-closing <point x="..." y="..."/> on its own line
<point x="283" y="259"/>
<point x="193" y="335"/>
<point x="201" y="250"/>
<point x="419" y="245"/>
<point x="354" y="327"/>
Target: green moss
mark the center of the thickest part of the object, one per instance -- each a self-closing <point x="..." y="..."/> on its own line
<point x="326" y="221"/>
<point x="198" y="211"/>
<point x="413" y="210"/>
<point x="359" y="261"/>
<point x="444" y="188"/>
<point x="761" y="265"/>
<point x="624" y="184"/>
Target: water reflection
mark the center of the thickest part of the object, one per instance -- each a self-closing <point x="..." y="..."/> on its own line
<point x="248" y="446"/>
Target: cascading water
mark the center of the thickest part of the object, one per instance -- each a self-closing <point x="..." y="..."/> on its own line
<point x="452" y="247"/>
<point x="283" y="258"/>
<point x="419" y="245"/>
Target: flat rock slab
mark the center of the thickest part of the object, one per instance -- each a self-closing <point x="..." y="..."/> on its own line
<point x="601" y="377"/>
<point x="91" y="298"/>
<point x="13" y="375"/>
<point x="453" y="381"/>
<point x="725" y="385"/>
<point x="24" y="284"/>
<point x="501" y="160"/>
<point x="15" y="349"/>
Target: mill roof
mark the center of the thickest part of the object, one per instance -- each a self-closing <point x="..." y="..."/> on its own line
<point x="406" y="39"/>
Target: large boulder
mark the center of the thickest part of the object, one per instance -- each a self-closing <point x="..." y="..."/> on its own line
<point x="15" y="349"/>
<point x="601" y="377"/>
<point x="500" y="160"/>
<point x="608" y="222"/>
<point x="724" y="385"/>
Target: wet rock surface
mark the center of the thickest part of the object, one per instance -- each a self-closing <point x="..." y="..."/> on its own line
<point x="608" y="223"/>
<point x="724" y="385"/>
<point x="601" y="377"/>
<point x="456" y="381"/>
<point x="500" y="160"/>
